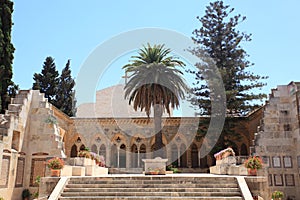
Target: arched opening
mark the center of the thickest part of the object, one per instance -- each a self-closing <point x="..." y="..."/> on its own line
<point x="244" y="150"/>
<point x="142" y="154"/>
<point x="102" y="151"/>
<point x="194" y="156"/>
<point x="74" y="151"/>
<point x="114" y="156"/>
<point x="174" y="155"/>
<point x="82" y="147"/>
<point x="94" y="148"/>
<point x="134" y="156"/>
<point x="203" y="162"/>
<point x="122" y="158"/>
<point x="183" y="157"/>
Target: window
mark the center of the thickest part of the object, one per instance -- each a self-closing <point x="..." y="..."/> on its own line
<point x="276" y="162"/>
<point x="278" y="180"/>
<point x="266" y="161"/>
<point x="287" y="127"/>
<point x="284" y="112"/>
<point x="289" y="180"/>
<point x="298" y="158"/>
<point x="287" y="162"/>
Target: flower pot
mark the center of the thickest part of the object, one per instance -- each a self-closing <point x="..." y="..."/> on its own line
<point x="252" y="172"/>
<point x="55" y="172"/>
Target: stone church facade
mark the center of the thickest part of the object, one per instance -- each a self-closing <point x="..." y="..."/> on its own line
<point x="33" y="131"/>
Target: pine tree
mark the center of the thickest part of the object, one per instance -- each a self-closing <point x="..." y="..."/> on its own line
<point x="221" y="41"/>
<point x="47" y="81"/>
<point x="219" y="44"/>
<point x="6" y="52"/>
<point x="65" y="100"/>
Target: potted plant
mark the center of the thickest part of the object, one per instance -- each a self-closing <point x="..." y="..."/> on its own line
<point x="55" y="164"/>
<point x="277" y="195"/>
<point x="26" y="194"/>
<point x="153" y="171"/>
<point x="253" y="163"/>
<point x="84" y="154"/>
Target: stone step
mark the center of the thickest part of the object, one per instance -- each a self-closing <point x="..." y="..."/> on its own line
<point x="151" y="189"/>
<point x="152" y="194"/>
<point x="155" y="177"/>
<point x="150" y="198"/>
<point x="97" y="180"/>
<point x="161" y="185"/>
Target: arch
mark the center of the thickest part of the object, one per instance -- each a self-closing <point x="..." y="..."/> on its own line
<point x="134" y="156"/>
<point x="114" y="156"/>
<point x="203" y="162"/>
<point x="94" y="148"/>
<point x="194" y="156"/>
<point x="174" y="155"/>
<point x="82" y="147"/>
<point x="102" y="150"/>
<point x="183" y="156"/>
<point x="74" y="151"/>
<point x="244" y="150"/>
<point x="122" y="156"/>
<point x="143" y="152"/>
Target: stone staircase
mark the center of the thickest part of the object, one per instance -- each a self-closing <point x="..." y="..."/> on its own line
<point x="151" y="188"/>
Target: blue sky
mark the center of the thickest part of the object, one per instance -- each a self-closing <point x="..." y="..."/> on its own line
<point x="68" y="29"/>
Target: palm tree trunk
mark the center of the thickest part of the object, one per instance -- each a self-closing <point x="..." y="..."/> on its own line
<point x="159" y="150"/>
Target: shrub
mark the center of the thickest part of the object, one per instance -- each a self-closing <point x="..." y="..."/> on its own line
<point x="26" y="193"/>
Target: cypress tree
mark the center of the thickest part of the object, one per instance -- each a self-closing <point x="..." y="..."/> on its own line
<point x="65" y="100"/>
<point x="47" y="81"/>
<point x="6" y="52"/>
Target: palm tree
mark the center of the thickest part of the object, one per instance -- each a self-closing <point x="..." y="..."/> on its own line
<point x="156" y="83"/>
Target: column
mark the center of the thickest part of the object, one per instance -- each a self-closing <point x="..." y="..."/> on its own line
<point x="138" y="158"/>
<point x="188" y="157"/>
<point x="178" y="156"/>
<point x="118" y="160"/>
<point x="128" y="157"/>
<point x="199" y="158"/>
<point x="108" y="155"/>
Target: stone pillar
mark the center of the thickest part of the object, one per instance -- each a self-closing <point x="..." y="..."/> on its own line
<point x="138" y="158"/>
<point x="148" y="150"/>
<point x="1" y="154"/>
<point x="13" y="168"/>
<point x="128" y="157"/>
<point x="108" y="155"/>
<point x="118" y="157"/>
<point x="199" y="158"/>
<point x="178" y="156"/>
<point x="188" y="157"/>
<point x="169" y="154"/>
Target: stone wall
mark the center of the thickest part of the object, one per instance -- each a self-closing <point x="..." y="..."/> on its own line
<point x="278" y="140"/>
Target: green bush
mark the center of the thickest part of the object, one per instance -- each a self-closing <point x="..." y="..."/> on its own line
<point x="26" y="193"/>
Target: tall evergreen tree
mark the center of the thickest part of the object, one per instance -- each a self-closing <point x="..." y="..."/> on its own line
<point x="47" y="81"/>
<point x="221" y="40"/>
<point x="6" y="52"/>
<point x="65" y="98"/>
